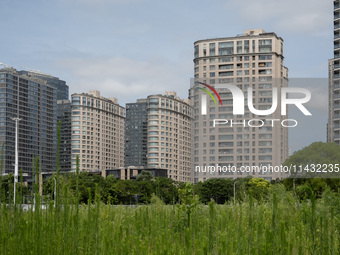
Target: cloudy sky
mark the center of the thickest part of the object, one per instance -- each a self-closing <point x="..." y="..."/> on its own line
<point x="132" y="48"/>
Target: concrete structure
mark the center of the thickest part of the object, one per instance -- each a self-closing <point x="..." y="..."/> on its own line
<point x="169" y="135"/>
<point x="60" y="85"/>
<point x="251" y="60"/>
<point x="64" y="115"/>
<point x="136" y="127"/>
<point x="158" y="134"/>
<point x="333" y="129"/>
<point x="127" y="173"/>
<point x="34" y="101"/>
<point x="97" y="132"/>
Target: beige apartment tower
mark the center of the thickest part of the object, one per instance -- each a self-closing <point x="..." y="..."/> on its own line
<point x="97" y="129"/>
<point x="333" y="127"/>
<point x="169" y="135"/>
<point x="253" y="60"/>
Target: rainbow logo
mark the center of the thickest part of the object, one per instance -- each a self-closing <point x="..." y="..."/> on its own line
<point x="213" y="90"/>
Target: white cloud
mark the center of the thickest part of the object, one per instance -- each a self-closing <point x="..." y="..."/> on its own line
<point x="125" y="79"/>
<point x="302" y="16"/>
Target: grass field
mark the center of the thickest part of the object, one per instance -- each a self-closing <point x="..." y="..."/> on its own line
<point x="281" y="225"/>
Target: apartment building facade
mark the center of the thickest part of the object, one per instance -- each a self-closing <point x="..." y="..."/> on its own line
<point x="136" y="131"/>
<point x="169" y="135"/>
<point x="34" y="102"/>
<point x="252" y="60"/>
<point x="97" y="129"/>
<point x="64" y="117"/>
<point x="158" y="135"/>
<point x="333" y="127"/>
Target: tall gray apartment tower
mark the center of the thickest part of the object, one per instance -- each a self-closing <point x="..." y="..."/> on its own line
<point x="333" y="129"/>
<point x="34" y="101"/>
<point x="251" y="60"/>
<point x="136" y="128"/>
<point x="64" y="116"/>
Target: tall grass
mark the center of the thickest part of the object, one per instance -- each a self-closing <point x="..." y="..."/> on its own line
<point x="282" y="225"/>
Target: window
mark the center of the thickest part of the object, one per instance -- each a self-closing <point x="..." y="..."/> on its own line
<point x="212" y="51"/>
<point x="239" y="47"/>
<point x="196" y="51"/>
<point x="265" y="71"/>
<point x="229" y="73"/>
<point x="265" y="57"/>
<point x="246" y="48"/>
<point x="225" y="158"/>
<point x="226" y="48"/>
<point x="226" y="137"/>
<point x="229" y="66"/>
<point x="265" y="45"/>
<point x="226" y="59"/>
<point x="225" y="144"/>
<point x="265" y="64"/>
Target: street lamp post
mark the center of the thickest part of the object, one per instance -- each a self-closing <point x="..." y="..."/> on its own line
<point x="55" y="190"/>
<point x="235" y="191"/>
<point x="16" y="166"/>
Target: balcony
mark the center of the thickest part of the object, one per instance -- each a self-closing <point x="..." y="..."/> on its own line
<point x="336" y="86"/>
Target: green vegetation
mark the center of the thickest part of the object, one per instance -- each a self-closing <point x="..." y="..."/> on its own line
<point x="280" y="225"/>
<point x="92" y="215"/>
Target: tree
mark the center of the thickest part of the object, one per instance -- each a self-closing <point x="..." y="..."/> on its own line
<point x="316" y="157"/>
<point x="188" y="200"/>
<point x="259" y="188"/>
<point x="125" y="191"/>
<point x="144" y="176"/>
<point x="218" y="189"/>
<point x="241" y="187"/>
<point x="165" y="188"/>
<point x="109" y="191"/>
<point x="144" y="191"/>
<point x="87" y="182"/>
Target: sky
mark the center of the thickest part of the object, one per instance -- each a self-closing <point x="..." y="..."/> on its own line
<point x="130" y="49"/>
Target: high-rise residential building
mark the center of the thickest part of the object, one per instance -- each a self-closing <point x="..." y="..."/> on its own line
<point x="34" y="101"/>
<point x="169" y="135"/>
<point x="252" y="60"/>
<point x="333" y="130"/>
<point x="136" y="125"/>
<point x="64" y="116"/>
<point x="59" y="85"/>
<point x="158" y="134"/>
<point x="97" y="125"/>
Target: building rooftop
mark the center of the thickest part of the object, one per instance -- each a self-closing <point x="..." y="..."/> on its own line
<point x="250" y="32"/>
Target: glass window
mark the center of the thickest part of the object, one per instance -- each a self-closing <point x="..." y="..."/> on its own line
<point x="226" y="48"/>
